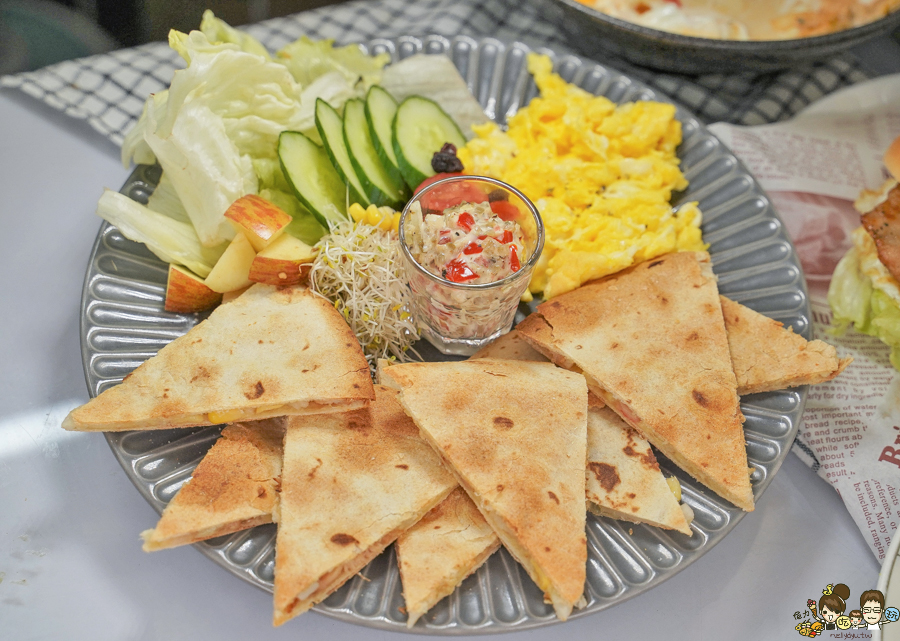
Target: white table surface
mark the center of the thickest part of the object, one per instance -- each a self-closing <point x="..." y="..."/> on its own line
<point x="71" y="565"/>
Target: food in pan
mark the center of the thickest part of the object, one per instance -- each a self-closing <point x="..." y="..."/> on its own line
<point x="747" y="19"/>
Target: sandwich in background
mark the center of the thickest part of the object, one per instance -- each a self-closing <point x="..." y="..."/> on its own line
<point x="865" y="287"/>
<point x="768" y="357"/>
<point x="491" y="422"/>
<point x="437" y="553"/>
<point x="233" y="488"/>
<point x="270" y="352"/>
<point x="652" y="345"/>
<point x="351" y="484"/>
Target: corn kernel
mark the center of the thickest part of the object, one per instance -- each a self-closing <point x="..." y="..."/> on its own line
<point x="356" y="212"/>
<point x="226" y="416"/>
<point x="675" y="486"/>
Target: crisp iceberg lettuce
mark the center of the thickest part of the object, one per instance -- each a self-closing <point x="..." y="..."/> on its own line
<point x="859" y="301"/>
<point x="226" y="108"/>
<point x="309" y="59"/>
<point x="173" y="241"/>
<point x="219" y="31"/>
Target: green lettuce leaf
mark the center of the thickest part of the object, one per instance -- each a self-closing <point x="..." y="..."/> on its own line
<point x="219" y="31"/>
<point x="855" y="302"/>
<point x="308" y="59"/>
<point x="173" y="241"/>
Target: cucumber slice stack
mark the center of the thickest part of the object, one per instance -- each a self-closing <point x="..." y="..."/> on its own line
<point x="375" y="154"/>
<point x="376" y="181"/>
<point x="420" y="129"/>
<point x="312" y="177"/>
<point x="331" y="129"/>
<point x="380" y="111"/>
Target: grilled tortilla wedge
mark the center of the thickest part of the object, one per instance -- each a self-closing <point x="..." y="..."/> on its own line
<point x="515" y="434"/>
<point x="438" y="552"/>
<point x="768" y="357"/>
<point x="511" y="347"/>
<point x="270" y="352"/>
<point x="233" y="488"/>
<point x="352" y="483"/>
<point x="651" y="342"/>
<point x="623" y="478"/>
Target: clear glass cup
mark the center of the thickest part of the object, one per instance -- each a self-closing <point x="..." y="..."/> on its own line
<point x="460" y="318"/>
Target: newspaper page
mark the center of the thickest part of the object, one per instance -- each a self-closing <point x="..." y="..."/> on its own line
<point x="813" y="168"/>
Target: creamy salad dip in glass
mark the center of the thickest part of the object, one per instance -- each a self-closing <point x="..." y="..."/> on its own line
<point x="469" y="245"/>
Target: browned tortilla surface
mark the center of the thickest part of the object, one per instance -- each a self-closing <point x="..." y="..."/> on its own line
<point x="767" y="357"/>
<point x="653" y="339"/>
<point x="351" y="484"/>
<point x="515" y="434"/>
<point x="233" y="488"/>
<point x="270" y="352"/>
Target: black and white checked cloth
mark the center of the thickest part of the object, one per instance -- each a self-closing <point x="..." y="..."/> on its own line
<point x="109" y="90"/>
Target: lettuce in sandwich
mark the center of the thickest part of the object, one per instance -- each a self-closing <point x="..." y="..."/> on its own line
<point x="864" y="294"/>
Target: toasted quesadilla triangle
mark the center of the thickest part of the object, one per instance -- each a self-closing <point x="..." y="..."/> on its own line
<point x="270" y="352"/>
<point x="653" y="339"/>
<point x="623" y="478"/>
<point x="768" y="357"/>
<point x="535" y="331"/>
<point x="233" y="488"/>
<point x="515" y="434"/>
<point x="511" y="347"/>
<point x="438" y="552"/>
<point x="351" y="484"/>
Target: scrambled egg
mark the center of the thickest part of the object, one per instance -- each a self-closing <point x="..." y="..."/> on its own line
<point x="601" y="175"/>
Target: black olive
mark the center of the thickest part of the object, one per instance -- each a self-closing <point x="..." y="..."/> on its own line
<point x="498" y="194"/>
<point x="445" y="160"/>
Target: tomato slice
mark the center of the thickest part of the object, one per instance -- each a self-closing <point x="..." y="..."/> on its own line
<point x="465" y="221"/>
<point x="506" y="237"/>
<point x="439" y="199"/>
<point x="457" y="271"/>
<point x="434" y="179"/>
<point x="514" y="258"/>
<point x="472" y="248"/>
<point x="505" y="210"/>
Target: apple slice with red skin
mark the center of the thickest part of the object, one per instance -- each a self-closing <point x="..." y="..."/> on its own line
<point x="261" y="221"/>
<point x="285" y="262"/>
<point x="186" y="292"/>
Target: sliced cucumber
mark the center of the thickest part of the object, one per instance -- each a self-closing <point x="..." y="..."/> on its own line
<point x="420" y="129"/>
<point x="375" y="180"/>
<point x="380" y="111"/>
<point x="312" y="177"/>
<point x="331" y="129"/>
